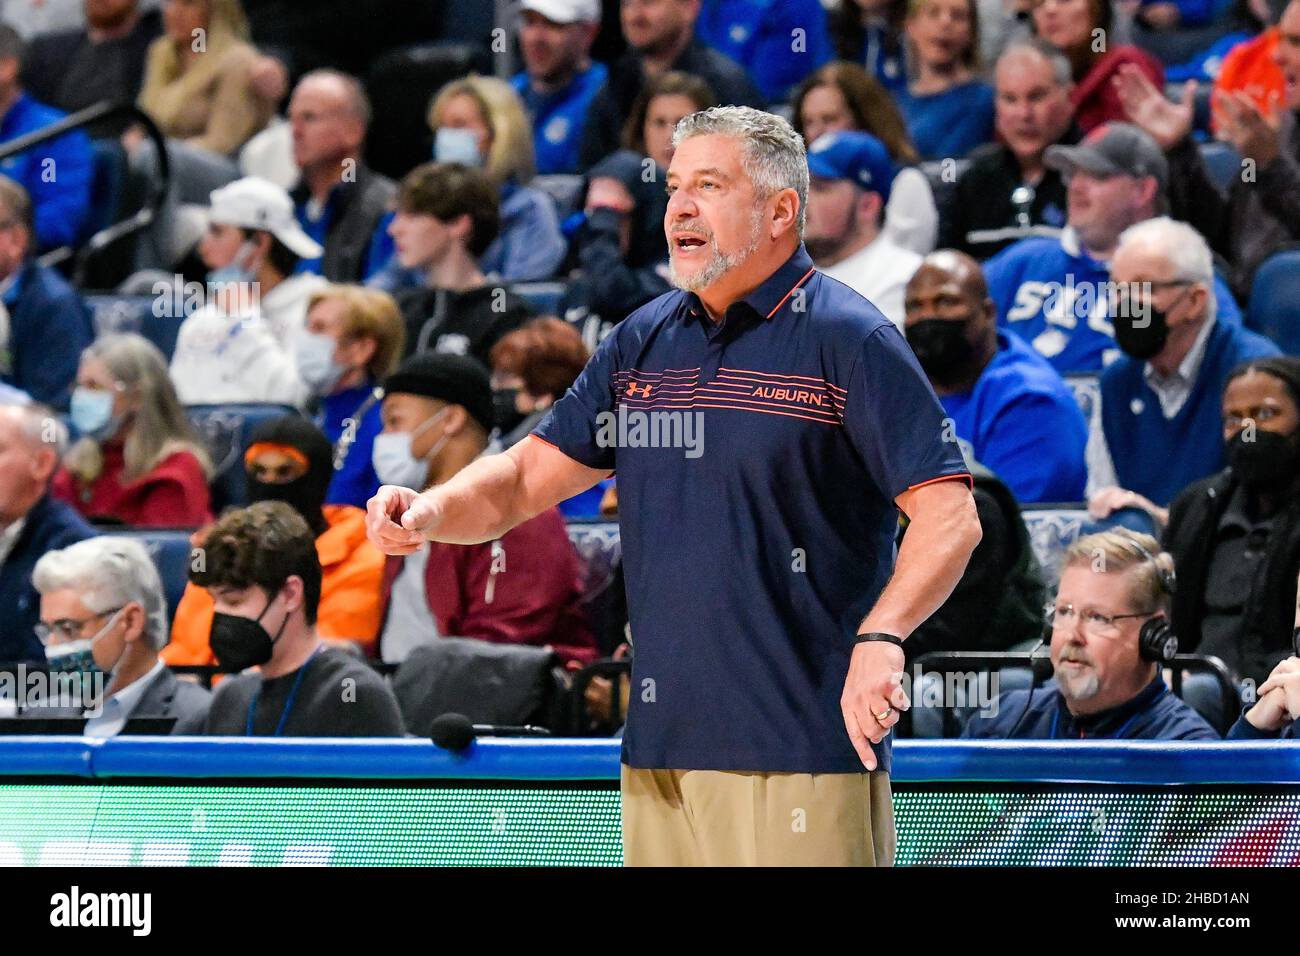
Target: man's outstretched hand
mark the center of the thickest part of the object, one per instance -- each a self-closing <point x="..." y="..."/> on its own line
<point x="398" y="520"/>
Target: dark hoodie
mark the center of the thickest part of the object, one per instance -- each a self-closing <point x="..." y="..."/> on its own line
<point x="610" y="284"/>
<point x="306" y="494"/>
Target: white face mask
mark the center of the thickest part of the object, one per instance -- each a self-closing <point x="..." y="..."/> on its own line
<point x="394" y="462"/>
<point x="314" y="354"/>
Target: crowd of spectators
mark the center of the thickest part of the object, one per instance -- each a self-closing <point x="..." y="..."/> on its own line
<point x="1013" y="185"/>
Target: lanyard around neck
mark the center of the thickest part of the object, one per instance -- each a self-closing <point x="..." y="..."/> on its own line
<point x="288" y="703"/>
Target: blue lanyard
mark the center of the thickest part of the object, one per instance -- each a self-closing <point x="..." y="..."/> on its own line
<point x="288" y="703"/>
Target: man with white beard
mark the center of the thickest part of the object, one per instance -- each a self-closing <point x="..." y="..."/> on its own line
<point x="1109" y="637"/>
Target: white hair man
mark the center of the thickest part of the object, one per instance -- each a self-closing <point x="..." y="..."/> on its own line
<point x="1161" y="400"/>
<point x="32" y="443"/>
<point x="791" y="423"/>
<point x="103" y="608"/>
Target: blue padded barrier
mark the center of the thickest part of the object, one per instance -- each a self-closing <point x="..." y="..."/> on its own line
<point x="1142" y="763"/>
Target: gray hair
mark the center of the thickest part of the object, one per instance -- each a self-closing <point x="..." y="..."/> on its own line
<point x="108" y="572"/>
<point x="40" y="426"/>
<point x="1181" y="246"/>
<point x="772" y="154"/>
<point x="1036" y="46"/>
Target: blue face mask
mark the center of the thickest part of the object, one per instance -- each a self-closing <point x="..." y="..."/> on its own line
<point x="314" y="354"/>
<point x="92" y="412"/>
<point x="394" y="462"/>
<point x="456" y="146"/>
<point x="235" y="272"/>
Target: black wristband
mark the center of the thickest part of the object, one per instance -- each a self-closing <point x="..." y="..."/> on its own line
<point x="878" y="636"/>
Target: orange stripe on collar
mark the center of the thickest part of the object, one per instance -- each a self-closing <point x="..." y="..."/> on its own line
<point x="791" y="292"/>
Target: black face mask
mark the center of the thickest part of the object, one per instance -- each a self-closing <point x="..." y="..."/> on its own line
<point x="240" y="642"/>
<point x="305" y="495"/>
<point x="504" y="413"/>
<point x="1271" y="461"/>
<point x="1142" y="343"/>
<point x="942" y="348"/>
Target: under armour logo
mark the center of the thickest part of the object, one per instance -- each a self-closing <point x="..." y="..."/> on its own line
<point x="633" y="390"/>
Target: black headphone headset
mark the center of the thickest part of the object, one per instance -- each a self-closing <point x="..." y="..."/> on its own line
<point x="1156" y="639"/>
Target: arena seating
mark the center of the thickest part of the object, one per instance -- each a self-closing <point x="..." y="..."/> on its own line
<point x="1275" y="300"/>
<point x="224" y="430"/>
<point x="170" y="550"/>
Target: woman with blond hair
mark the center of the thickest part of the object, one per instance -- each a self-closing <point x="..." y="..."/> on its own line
<point x="137" y="461"/>
<point x="487" y="113"/>
<point x="353" y="339"/>
<point x="206" y="88"/>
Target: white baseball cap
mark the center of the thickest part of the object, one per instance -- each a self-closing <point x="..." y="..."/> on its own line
<point x="565" y="11"/>
<point x="256" y="203"/>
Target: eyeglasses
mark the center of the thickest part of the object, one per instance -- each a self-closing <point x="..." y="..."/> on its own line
<point x="69" y="629"/>
<point x="1094" y="622"/>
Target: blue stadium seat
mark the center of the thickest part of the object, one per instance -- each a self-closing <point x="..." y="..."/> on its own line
<point x="224" y="430"/>
<point x="1275" y="300"/>
<point x="170" y="550"/>
<point x="136" y="313"/>
<point x="1222" y="163"/>
<point x="543" y="298"/>
<point x="597" y="544"/>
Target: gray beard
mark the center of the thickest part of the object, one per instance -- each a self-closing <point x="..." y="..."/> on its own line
<point x="719" y="263"/>
<point x="1083" y="687"/>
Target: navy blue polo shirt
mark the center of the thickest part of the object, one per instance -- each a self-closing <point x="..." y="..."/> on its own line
<point x="752" y="556"/>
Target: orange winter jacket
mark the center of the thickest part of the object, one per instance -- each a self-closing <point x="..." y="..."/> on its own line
<point x="352" y="572"/>
<point x="1249" y="68"/>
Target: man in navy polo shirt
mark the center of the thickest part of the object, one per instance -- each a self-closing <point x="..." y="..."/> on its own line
<point x="767" y="424"/>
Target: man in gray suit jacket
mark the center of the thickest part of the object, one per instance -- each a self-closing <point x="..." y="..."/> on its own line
<point x="103" y="612"/>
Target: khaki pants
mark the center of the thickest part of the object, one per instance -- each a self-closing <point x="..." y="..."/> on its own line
<point x="721" y="818"/>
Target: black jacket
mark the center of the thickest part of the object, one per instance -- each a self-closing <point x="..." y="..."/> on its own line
<point x="1269" y="608"/>
<point x="462" y="323"/>
<point x="981" y="202"/>
<point x="356" y="209"/>
<point x="1258" y="216"/>
<point x="50" y="525"/>
<point x="611" y="284"/>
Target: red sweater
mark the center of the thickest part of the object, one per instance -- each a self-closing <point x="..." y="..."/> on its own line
<point x="1094" y="97"/>
<point x="527" y="592"/>
<point x="173" y="495"/>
